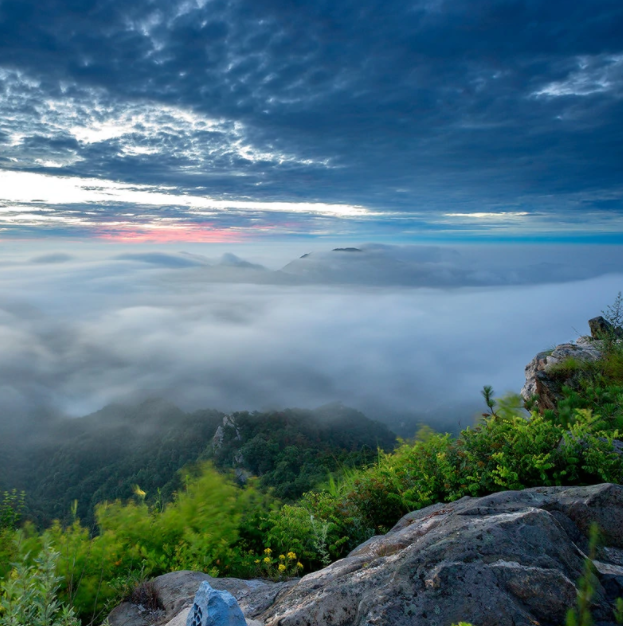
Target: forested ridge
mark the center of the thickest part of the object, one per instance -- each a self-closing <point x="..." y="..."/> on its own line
<point x="104" y="456"/>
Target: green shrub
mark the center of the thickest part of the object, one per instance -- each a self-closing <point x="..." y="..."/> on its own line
<point x="28" y="595"/>
<point x="11" y="508"/>
<point x="199" y="530"/>
<point x="506" y="450"/>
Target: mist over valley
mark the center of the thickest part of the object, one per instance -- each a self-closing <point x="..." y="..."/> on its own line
<point x="406" y="334"/>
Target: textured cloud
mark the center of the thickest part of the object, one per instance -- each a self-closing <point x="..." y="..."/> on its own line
<point x="602" y="74"/>
<point x="219" y="331"/>
<point x="419" y="112"/>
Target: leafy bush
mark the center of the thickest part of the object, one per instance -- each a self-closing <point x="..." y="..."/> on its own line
<point x="11" y="508"/>
<point x="28" y="593"/>
<point x="198" y="530"/>
<point x="507" y="450"/>
<point x="190" y="533"/>
<point x="215" y="526"/>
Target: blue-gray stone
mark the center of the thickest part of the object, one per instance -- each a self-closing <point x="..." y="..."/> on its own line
<point x="214" y="608"/>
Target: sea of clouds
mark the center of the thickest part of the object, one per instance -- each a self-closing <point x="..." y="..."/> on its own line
<point x="390" y="330"/>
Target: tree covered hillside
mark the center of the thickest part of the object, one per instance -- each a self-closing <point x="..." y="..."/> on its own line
<point x="293" y="450"/>
<point x="107" y="455"/>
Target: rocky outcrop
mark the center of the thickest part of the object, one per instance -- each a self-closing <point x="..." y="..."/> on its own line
<point x="219" y="435"/>
<point x="603" y="329"/>
<point x="544" y="376"/>
<point x="511" y="558"/>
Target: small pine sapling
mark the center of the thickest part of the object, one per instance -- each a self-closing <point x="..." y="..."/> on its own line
<point x="488" y="393"/>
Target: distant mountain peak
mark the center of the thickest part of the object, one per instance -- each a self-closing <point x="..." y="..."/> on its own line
<point x="346" y="250"/>
<point x="231" y="260"/>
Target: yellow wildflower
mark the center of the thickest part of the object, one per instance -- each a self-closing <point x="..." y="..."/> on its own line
<point x="268" y="551"/>
<point x="282" y="567"/>
<point x="257" y="561"/>
<point x="299" y="565"/>
<point x="282" y="557"/>
<point x="292" y="556"/>
<point x="139" y="492"/>
<point x="267" y="561"/>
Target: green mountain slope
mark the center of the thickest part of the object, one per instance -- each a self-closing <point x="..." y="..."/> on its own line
<point x="103" y="456"/>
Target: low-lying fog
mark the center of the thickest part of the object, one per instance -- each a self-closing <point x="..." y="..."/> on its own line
<point x="393" y="331"/>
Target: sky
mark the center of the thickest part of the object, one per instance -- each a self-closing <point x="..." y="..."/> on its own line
<point x="223" y="121"/>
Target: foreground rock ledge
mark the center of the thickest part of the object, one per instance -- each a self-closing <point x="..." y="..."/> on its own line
<point x="508" y="559"/>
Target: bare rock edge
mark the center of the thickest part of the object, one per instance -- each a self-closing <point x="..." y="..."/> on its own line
<point x="508" y="559"/>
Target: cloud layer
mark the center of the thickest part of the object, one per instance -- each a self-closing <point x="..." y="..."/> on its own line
<point x="81" y="331"/>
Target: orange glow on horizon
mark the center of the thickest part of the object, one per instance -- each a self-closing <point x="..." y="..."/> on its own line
<point x="183" y="234"/>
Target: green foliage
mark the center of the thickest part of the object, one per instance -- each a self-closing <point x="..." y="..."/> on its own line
<point x="294" y="450"/>
<point x="102" y="457"/>
<point x="195" y="531"/>
<point x="215" y="526"/>
<point x="28" y="595"/>
<point x="188" y="533"/>
<point x="594" y="385"/>
<point x="487" y="394"/>
<point x="581" y="614"/>
<point x="506" y="450"/>
<point x="11" y="508"/>
<point x="198" y="530"/>
<point x="567" y="367"/>
<point x="597" y="387"/>
<point x="614" y="311"/>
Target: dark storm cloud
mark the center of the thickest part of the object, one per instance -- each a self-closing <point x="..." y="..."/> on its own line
<point x="429" y="106"/>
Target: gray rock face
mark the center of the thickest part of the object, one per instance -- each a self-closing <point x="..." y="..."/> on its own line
<point x="219" y="435"/>
<point x="128" y="614"/>
<point x="214" y="608"/>
<point x="602" y="329"/>
<point x="539" y="378"/>
<point x="509" y="559"/>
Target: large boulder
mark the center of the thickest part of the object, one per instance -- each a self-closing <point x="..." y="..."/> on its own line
<point x="512" y="558"/>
